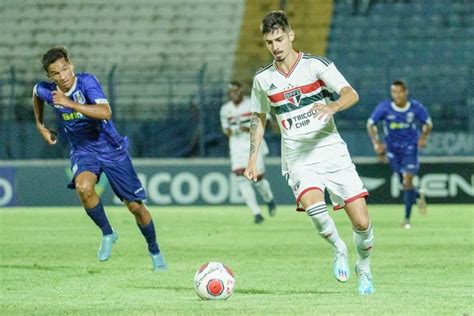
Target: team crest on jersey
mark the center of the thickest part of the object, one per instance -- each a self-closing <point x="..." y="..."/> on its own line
<point x="410" y="117"/>
<point x="79" y="97"/>
<point x="294" y="96"/>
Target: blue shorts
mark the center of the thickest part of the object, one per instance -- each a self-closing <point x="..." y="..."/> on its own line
<point x="121" y="175"/>
<point x="403" y="159"/>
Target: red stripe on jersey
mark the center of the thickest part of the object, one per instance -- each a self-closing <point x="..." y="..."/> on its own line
<point x="243" y="114"/>
<point x="308" y="88"/>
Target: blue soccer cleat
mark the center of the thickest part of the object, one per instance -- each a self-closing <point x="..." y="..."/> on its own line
<point x="105" y="249"/>
<point x="271" y="208"/>
<point x="365" y="282"/>
<point x="340" y="267"/>
<point x="158" y="263"/>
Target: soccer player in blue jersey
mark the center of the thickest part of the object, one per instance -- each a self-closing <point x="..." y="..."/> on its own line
<point x="96" y="148"/>
<point x="401" y="118"/>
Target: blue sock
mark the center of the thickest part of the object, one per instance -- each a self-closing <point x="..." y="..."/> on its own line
<point x="97" y="214"/>
<point x="148" y="231"/>
<point x="409" y="198"/>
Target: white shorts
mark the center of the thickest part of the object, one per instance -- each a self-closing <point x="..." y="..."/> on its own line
<point x="338" y="176"/>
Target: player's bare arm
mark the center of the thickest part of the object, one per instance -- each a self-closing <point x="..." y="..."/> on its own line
<point x="379" y="147"/>
<point x="347" y="98"/>
<point x="257" y="129"/>
<point x="48" y="135"/>
<point x="425" y="131"/>
<point x="100" y="111"/>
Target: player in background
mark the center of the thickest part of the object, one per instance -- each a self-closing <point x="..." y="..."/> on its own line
<point x="96" y="148"/>
<point x="235" y="121"/>
<point x="298" y="88"/>
<point x="400" y="117"/>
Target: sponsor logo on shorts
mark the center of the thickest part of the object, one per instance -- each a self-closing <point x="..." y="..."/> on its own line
<point x="139" y="190"/>
<point x="296" y="187"/>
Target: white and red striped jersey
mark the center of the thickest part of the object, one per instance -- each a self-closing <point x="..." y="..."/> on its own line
<point x="312" y="79"/>
<point x="234" y="117"/>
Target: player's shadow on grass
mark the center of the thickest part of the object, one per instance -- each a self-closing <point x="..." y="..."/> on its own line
<point x="264" y="292"/>
<point x="45" y="268"/>
<point x="242" y="291"/>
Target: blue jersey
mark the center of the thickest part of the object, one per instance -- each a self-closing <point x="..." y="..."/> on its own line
<point x="400" y="124"/>
<point x="86" y="135"/>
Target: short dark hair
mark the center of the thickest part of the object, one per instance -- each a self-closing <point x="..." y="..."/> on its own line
<point x="54" y="54"/>
<point x="235" y="83"/>
<point x="400" y="83"/>
<point x="273" y="21"/>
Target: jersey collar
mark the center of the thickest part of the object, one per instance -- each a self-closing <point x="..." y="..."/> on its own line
<point x="281" y="71"/>
<point x="70" y="91"/>
<point x="399" y="109"/>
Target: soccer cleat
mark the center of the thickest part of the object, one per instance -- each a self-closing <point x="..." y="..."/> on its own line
<point x="105" y="248"/>
<point x="258" y="219"/>
<point x="365" y="282"/>
<point x="421" y="202"/>
<point x="271" y="208"/>
<point x="405" y="225"/>
<point x="158" y="262"/>
<point x="340" y="267"/>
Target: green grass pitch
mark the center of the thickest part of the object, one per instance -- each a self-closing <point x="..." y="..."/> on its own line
<point x="49" y="265"/>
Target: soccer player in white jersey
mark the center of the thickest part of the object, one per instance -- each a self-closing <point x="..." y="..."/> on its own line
<point x="235" y="121"/>
<point x="298" y="88"/>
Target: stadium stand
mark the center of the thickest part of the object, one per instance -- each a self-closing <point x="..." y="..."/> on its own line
<point x="144" y="39"/>
<point x="423" y="42"/>
<point x="164" y="64"/>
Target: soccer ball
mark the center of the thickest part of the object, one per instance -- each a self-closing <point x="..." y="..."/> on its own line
<point x="214" y="281"/>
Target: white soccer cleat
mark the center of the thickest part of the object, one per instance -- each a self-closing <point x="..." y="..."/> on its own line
<point x="340" y="267"/>
<point x="365" y="282"/>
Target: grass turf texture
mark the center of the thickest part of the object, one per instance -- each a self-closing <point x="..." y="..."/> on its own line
<point x="49" y="263"/>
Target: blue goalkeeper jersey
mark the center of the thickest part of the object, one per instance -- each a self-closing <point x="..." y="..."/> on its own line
<point x="401" y="125"/>
<point x="86" y="135"/>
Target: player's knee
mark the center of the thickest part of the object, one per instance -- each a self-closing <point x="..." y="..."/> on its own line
<point x="361" y="224"/>
<point x="135" y="208"/>
<point x="85" y="190"/>
<point x="407" y="182"/>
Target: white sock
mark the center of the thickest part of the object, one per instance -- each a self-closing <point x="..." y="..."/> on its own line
<point x="248" y="194"/>
<point x="364" y="241"/>
<point x="264" y="189"/>
<point x="325" y="226"/>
